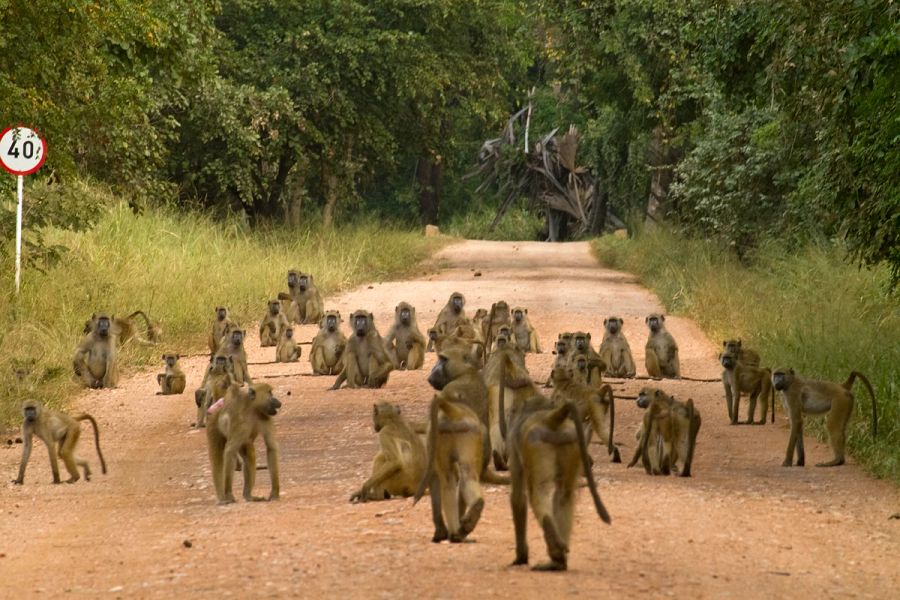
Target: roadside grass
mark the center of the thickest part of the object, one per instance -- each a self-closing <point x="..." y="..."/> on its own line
<point x="810" y="310"/>
<point x="519" y="223"/>
<point x="176" y="267"/>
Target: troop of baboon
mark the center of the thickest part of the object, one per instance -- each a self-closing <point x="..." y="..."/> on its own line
<point x="488" y="420"/>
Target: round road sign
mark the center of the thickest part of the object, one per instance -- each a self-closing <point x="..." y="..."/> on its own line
<point x="22" y="152"/>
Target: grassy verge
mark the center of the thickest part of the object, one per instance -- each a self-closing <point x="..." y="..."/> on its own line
<point x="519" y="223"/>
<point x="176" y="267"/>
<point x="809" y="310"/>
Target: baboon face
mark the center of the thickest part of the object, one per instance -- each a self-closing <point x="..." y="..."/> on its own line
<point x="581" y="364"/>
<point x="331" y="323"/>
<point x="518" y="315"/>
<point x="102" y="328"/>
<point x="613" y="325"/>
<point x="237" y="337"/>
<point x="303" y="282"/>
<point x="289" y="333"/>
<point x="292" y="279"/>
<point x="439" y="376"/>
<point x="382" y="413"/>
<point x="274" y="307"/>
<point x="31" y="411"/>
<point x="170" y="359"/>
<point x="264" y="402"/>
<point x="782" y="379"/>
<point x="457" y="302"/>
<point x="405" y="316"/>
<point x="728" y="360"/>
<point x="561" y="347"/>
<point x="432" y="334"/>
<point x="732" y="346"/>
<point x="221" y="313"/>
<point x="582" y="341"/>
<point x="501" y="340"/>
<point x="220" y="364"/>
<point x="646" y="396"/>
<point x="361" y="323"/>
<point x="654" y="322"/>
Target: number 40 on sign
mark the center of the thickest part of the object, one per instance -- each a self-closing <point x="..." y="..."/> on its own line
<point x="22" y="152"/>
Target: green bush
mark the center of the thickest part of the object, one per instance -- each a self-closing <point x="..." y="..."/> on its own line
<point x="809" y="309"/>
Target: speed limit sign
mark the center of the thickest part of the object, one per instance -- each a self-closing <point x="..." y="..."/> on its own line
<point x="22" y="152"/>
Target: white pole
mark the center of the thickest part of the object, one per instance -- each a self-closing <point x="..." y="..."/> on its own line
<point x="19" y="236"/>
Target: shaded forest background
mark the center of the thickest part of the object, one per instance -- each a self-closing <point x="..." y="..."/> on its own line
<point x="734" y="121"/>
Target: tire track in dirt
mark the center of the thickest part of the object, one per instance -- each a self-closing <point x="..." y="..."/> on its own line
<point x="743" y="527"/>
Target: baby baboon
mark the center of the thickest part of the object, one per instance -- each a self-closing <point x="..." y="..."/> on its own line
<point x="287" y="350"/>
<point x="95" y="358"/>
<point x="234" y="348"/>
<point x="744" y="355"/>
<point x="739" y="377"/>
<point x="404" y="343"/>
<point x="615" y="351"/>
<point x="668" y="434"/>
<point x="399" y="466"/>
<point x="813" y="397"/>
<point x="272" y="325"/>
<point x="525" y="335"/>
<point x="218" y="378"/>
<point x="661" y="356"/>
<point x="328" y="346"/>
<point x="595" y="405"/>
<point x="221" y="327"/>
<point x="56" y="428"/>
<point x="366" y="362"/>
<point x="173" y="381"/>
<point x="455" y="456"/>
<point x="307" y="306"/>
<point x="546" y="452"/>
<point x="233" y="427"/>
<point x="449" y="317"/>
<point x="581" y="347"/>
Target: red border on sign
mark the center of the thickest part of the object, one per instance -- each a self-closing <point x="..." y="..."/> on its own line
<point x="43" y="155"/>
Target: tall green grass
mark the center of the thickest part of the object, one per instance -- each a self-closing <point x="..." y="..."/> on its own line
<point x="176" y="267"/>
<point x="810" y="310"/>
<point x="473" y="223"/>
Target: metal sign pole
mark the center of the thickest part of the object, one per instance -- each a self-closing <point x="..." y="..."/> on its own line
<point x="19" y="235"/>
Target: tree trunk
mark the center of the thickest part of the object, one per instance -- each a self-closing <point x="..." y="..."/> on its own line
<point x="429" y="178"/>
<point x="330" y="183"/>
<point x="598" y="209"/>
<point x="295" y="200"/>
<point x="273" y="202"/>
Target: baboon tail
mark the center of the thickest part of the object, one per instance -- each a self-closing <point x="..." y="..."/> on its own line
<point x="586" y="463"/>
<point x="865" y="380"/>
<point x="87" y="417"/>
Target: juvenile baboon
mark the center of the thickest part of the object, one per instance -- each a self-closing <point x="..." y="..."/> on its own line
<point x="95" y="360"/>
<point x="738" y="378"/>
<point x="546" y="452"/>
<point x="307" y="306"/>
<point x="173" y="381"/>
<point x="503" y="335"/>
<point x="661" y="351"/>
<point x="328" y="346"/>
<point x="525" y="335"/>
<point x="744" y="355"/>
<point x="234" y="348"/>
<point x="218" y="378"/>
<point x="581" y="347"/>
<point x="449" y="317"/>
<point x="221" y="327"/>
<point x="561" y="350"/>
<point x="400" y="464"/>
<point x="452" y="467"/>
<point x="124" y="329"/>
<point x="497" y="317"/>
<point x="595" y="405"/>
<point x="272" y="325"/>
<point x="668" y="433"/>
<point x="366" y="362"/>
<point x="404" y="343"/>
<point x="233" y="427"/>
<point x="505" y="374"/>
<point x="615" y="351"/>
<point x="60" y="434"/>
<point x="479" y="321"/>
<point x="813" y="397"/>
<point x="287" y="349"/>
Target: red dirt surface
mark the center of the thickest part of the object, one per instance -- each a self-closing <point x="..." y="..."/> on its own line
<point x="742" y="527"/>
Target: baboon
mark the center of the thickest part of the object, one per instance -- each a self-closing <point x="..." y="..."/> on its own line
<point x="221" y="327"/>
<point x="307" y="306"/>
<point x="525" y="335"/>
<point x="400" y="464"/>
<point x="546" y="451"/>
<point x="123" y="328"/>
<point x="738" y="378"/>
<point x="661" y="356"/>
<point x="615" y="351"/>
<point x="479" y="321"/>
<point x="449" y="317"/>
<point x="173" y="381"/>
<point x="814" y="397"/>
<point x="233" y="427"/>
<point x="505" y="374"/>
<point x="95" y="360"/>
<point x="497" y="318"/>
<point x="60" y="434"/>
<point x="234" y="348"/>
<point x="581" y="347"/>
<point x="595" y="405"/>
<point x="218" y="378"/>
<point x="272" y="325"/>
<point x="504" y="334"/>
<point x="562" y="348"/>
<point x="366" y="362"/>
<point x="464" y="337"/>
<point x="668" y="433"/>
<point x="287" y="350"/>
<point x="455" y="454"/>
<point x="744" y="355"/>
<point x="328" y="346"/>
<point x="404" y="343"/>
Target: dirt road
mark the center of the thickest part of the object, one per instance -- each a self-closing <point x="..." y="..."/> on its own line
<point x="742" y="527"/>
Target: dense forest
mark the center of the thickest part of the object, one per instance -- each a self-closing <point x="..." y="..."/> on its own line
<point x="736" y="121"/>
